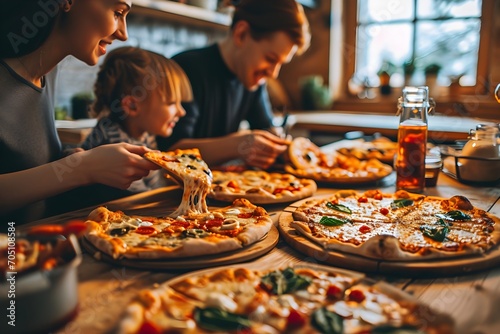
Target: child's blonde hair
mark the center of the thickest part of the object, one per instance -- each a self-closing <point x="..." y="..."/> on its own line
<point x="137" y="72"/>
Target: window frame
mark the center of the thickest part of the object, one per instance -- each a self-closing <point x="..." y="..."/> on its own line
<point x="345" y="101"/>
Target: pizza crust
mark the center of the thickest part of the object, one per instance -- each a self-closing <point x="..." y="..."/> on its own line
<point x="256" y="232"/>
<point x="191" y="247"/>
<point x="111" y="246"/>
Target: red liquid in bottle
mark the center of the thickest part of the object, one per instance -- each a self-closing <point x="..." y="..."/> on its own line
<point x="410" y="162"/>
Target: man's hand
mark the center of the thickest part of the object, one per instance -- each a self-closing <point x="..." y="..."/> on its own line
<point x="260" y="148"/>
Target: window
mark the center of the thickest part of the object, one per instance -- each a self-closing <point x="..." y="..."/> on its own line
<point x="409" y="38"/>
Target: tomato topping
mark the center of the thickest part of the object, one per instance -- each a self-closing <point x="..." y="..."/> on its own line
<point x="245" y="215"/>
<point x="364" y="229"/>
<point x="169" y="159"/>
<point x="180" y="223"/>
<point x="280" y="190"/>
<point x="295" y="319"/>
<point x="76" y="227"/>
<point x="356" y="296"/>
<point x="378" y="196"/>
<point x="363" y="199"/>
<point x="49" y="264"/>
<point x="145" y="230"/>
<point x="48" y="229"/>
<point x="216" y="222"/>
<point x="384" y="211"/>
<point x="148" y="328"/>
<point x="334" y="292"/>
<point x="232" y="184"/>
<point x="268" y="288"/>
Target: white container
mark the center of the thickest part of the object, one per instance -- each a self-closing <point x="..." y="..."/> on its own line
<point x="207" y="4"/>
<point x="483" y="144"/>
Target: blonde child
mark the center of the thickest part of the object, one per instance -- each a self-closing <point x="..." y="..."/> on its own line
<point x="138" y="95"/>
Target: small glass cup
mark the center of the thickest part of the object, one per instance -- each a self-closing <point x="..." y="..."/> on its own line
<point x="433" y="165"/>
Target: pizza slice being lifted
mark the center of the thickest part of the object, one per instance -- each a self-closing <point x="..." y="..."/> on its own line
<point x="188" y="167"/>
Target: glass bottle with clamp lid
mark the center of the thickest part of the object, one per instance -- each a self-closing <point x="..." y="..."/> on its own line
<point x="413" y="107"/>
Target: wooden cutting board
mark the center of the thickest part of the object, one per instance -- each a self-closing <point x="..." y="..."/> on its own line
<point x="199" y="262"/>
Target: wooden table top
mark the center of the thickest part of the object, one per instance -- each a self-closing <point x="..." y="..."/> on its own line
<point x="442" y="128"/>
<point x="473" y="300"/>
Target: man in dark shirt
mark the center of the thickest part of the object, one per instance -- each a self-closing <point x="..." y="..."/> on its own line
<point x="228" y="82"/>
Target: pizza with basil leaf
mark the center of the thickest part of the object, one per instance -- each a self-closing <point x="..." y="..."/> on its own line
<point x="298" y="299"/>
<point x="398" y="226"/>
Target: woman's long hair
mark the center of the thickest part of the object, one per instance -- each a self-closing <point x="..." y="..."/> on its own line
<point x="25" y="25"/>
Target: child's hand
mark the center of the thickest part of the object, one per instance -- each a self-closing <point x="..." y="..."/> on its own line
<point x="116" y="165"/>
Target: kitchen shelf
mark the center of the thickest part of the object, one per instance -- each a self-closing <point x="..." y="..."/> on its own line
<point x="181" y="13"/>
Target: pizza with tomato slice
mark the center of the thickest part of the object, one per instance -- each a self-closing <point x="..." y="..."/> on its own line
<point x="299" y="299"/>
<point x="260" y="187"/>
<point x="215" y="231"/>
<point x="398" y="226"/>
<point x="305" y="159"/>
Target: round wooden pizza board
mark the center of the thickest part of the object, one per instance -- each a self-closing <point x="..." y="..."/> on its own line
<point x="427" y="268"/>
<point x="180" y="264"/>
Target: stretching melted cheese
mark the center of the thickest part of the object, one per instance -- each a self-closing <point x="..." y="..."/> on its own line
<point x="195" y="174"/>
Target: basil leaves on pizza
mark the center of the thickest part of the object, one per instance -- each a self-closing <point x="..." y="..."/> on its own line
<point x="215" y="319"/>
<point x="284" y="281"/>
<point x="331" y="221"/>
<point x="455" y="215"/>
<point x="401" y="203"/>
<point x="327" y="322"/>
<point x="338" y="207"/>
<point x="437" y="231"/>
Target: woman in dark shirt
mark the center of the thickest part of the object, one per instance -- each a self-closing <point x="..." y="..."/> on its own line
<point x="35" y="35"/>
<point x="228" y="82"/>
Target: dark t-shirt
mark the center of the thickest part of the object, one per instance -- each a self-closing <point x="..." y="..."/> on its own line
<point x="28" y="138"/>
<point x="220" y="101"/>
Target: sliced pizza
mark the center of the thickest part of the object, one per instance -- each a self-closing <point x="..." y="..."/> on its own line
<point x="260" y="187"/>
<point x="306" y="160"/>
<point x="217" y="231"/>
<point x="300" y="299"/>
<point x="397" y="227"/>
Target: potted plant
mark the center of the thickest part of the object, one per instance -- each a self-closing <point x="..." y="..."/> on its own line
<point x="80" y="104"/>
<point x="431" y="72"/>
<point x="385" y="72"/>
<point x="455" y="84"/>
<point x="408" y="70"/>
<point x="432" y="69"/>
